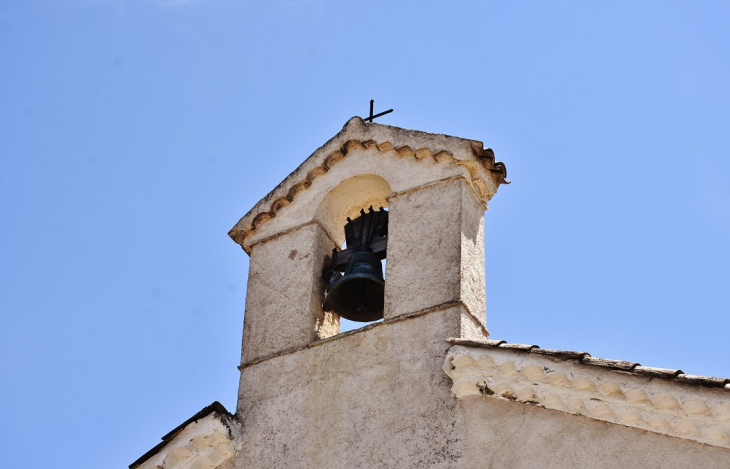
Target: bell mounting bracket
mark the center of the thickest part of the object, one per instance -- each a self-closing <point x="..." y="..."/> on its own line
<point x="368" y="232"/>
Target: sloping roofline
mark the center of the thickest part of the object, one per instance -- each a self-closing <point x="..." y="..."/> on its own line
<point x="585" y="358"/>
<point x="357" y="133"/>
<point x="215" y="407"/>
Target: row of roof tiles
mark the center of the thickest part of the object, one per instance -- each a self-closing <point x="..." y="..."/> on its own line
<point x="585" y="358"/>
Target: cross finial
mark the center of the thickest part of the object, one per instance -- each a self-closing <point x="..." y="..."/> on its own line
<point x="370" y="119"/>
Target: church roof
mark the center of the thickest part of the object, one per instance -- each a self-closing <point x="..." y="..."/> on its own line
<point x="215" y="407"/>
<point x="485" y="173"/>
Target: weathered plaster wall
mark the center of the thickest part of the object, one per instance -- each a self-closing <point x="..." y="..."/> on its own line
<point x="512" y="435"/>
<point x="285" y="292"/>
<point x="381" y="397"/>
<point x="374" y="398"/>
<point x="628" y="399"/>
<point x="519" y="410"/>
<point x="435" y="249"/>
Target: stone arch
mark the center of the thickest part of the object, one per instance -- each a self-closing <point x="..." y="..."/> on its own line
<point x="347" y="198"/>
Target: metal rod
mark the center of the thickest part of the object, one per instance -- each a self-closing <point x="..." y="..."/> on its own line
<point x="376" y="221"/>
<point x="369" y="233"/>
<point x="378" y="115"/>
<point x="360" y="246"/>
<point x="371" y="116"/>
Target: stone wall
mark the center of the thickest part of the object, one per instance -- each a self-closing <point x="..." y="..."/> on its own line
<point x="384" y="397"/>
<point x="508" y="434"/>
<point x="373" y="398"/>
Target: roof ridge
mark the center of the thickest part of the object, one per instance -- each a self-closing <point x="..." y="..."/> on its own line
<point x="484" y="158"/>
<point x="585" y="358"/>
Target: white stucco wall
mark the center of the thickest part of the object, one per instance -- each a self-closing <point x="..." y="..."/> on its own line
<point x="383" y="397"/>
<point x="625" y="398"/>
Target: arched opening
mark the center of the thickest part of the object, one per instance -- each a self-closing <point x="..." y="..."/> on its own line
<point x="347" y="199"/>
<point x="355" y="202"/>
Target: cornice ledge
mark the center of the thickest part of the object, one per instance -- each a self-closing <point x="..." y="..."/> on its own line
<point x="702" y="414"/>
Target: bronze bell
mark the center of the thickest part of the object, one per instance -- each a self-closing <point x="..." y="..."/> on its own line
<point x="359" y="294"/>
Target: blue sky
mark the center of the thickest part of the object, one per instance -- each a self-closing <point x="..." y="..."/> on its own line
<point x="135" y="133"/>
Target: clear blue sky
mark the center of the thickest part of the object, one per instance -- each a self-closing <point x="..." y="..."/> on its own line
<point x="135" y="133"/>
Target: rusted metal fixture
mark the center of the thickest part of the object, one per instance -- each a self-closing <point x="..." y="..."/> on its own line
<point x="358" y="294"/>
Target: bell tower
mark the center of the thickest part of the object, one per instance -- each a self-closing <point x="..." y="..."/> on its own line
<point x="362" y="398"/>
<point x="435" y="189"/>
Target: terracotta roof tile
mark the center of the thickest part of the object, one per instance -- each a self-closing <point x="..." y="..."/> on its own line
<point x="656" y="372"/>
<point x="608" y="363"/>
<point x="565" y="354"/>
<point x="518" y="346"/>
<point x="709" y="381"/>
<point x="494" y="343"/>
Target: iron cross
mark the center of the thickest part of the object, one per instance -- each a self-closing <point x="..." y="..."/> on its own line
<point x="370" y="119"/>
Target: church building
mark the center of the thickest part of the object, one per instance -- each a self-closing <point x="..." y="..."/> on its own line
<point x="421" y="385"/>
